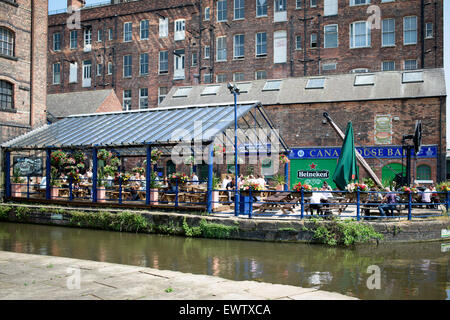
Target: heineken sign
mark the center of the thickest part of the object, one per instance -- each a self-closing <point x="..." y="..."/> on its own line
<point x="318" y="174"/>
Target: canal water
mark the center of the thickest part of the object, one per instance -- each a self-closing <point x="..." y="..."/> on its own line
<point x="407" y="271"/>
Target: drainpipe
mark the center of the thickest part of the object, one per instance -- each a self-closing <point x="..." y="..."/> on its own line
<point x="422" y="34"/>
<point x="318" y="43"/>
<point x="32" y="42"/>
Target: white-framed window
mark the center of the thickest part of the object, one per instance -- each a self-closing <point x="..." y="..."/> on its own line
<point x="429" y="30"/>
<point x="221" y="49"/>
<point x="261" y="8"/>
<point x="298" y="4"/>
<point x="163" y="27"/>
<point x="279" y="46"/>
<point x="388" y="66"/>
<point x="126" y="99"/>
<point x="163" y="62"/>
<point x="207" y="78"/>
<point x="261" y="44"/>
<point x="260" y="74"/>
<point x="180" y="28"/>
<point x="239" y="9"/>
<point x="330" y="39"/>
<point x="87" y="71"/>
<point x="162" y="93"/>
<point x="313" y="40"/>
<point x="313" y="3"/>
<point x="387" y="1"/>
<point x="330" y="7"/>
<point x="238" y="44"/>
<point x="87" y="39"/>
<point x="99" y="69"/>
<point x="179" y="64"/>
<point x="359" y="70"/>
<point x="99" y="35"/>
<point x="110" y="34"/>
<point x="127" y="31"/>
<point x="110" y="68"/>
<point x="388" y="32"/>
<point x="409" y="30"/>
<point x="238" y="76"/>
<point x="329" y="66"/>
<point x="207" y="52"/>
<point x="194" y="58"/>
<point x="57" y="73"/>
<point x="207" y="14"/>
<point x="7" y="38"/>
<point x="221" y="77"/>
<point x="298" y="42"/>
<point x="359" y="2"/>
<point x="73" y="39"/>
<point x="143" y="98"/>
<point x="127" y="66"/>
<point x="143" y="61"/>
<point x="359" y="34"/>
<point x="144" y="30"/>
<point x="73" y="72"/>
<point x="57" y="41"/>
<point x="221" y="10"/>
<point x="280" y="12"/>
<point x="410" y="64"/>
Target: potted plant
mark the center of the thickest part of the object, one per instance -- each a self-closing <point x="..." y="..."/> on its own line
<point x="154" y="186"/>
<point x="307" y="189"/>
<point x="55" y="183"/>
<point x="443" y="188"/>
<point x="279" y="182"/>
<point x="284" y="159"/>
<point x="17" y="180"/>
<point x="216" y="193"/>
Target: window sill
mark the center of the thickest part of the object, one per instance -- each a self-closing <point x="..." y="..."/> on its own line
<point x="410" y="44"/>
<point x="8" y="110"/>
<point x="265" y="16"/>
<point x="261" y="57"/>
<point x="221" y="60"/>
<point x="8" y="57"/>
<point x="162" y="73"/>
<point x="389" y="46"/>
<point x="368" y="47"/>
<point x="238" y="58"/>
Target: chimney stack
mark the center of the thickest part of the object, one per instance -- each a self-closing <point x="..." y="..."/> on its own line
<point x="76" y="4"/>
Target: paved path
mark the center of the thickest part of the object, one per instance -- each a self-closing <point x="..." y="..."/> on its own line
<point x="29" y="276"/>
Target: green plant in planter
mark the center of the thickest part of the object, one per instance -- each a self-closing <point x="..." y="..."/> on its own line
<point x="279" y="179"/>
<point x="16" y="176"/>
<point x="216" y="183"/>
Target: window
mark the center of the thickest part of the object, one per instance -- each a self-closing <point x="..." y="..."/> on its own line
<point x="99" y="69"/>
<point x="143" y="98"/>
<point x="388" y="32"/>
<point x="330" y="7"/>
<point x="261" y="8"/>
<point x="143" y="70"/>
<point x="279" y="46"/>
<point x="244" y="87"/>
<point x="110" y="68"/>
<point x="261" y="44"/>
<point x="210" y="90"/>
<point x="410" y="77"/>
<point x="163" y="62"/>
<point x="207" y="52"/>
<point x="126" y="100"/>
<point x="313" y="3"/>
<point x="179" y="61"/>
<point x="6" y="42"/>
<point x="273" y="85"/>
<point x="329" y="66"/>
<point x="99" y="35"/>
<point x="162" y="93"/>
<point x="207" y="78"/>
<point x="87" y="69"/>
<point x="56" y="42"/>
<point x="239" y="9"/>
<point x="87" y="39"/>
<point x="388" y="65"/>
<point x="238" y="76"/>
<point x="239" y="46"/>
<point x="359" y="2"/>
<point x="429" y="30"/>
<point x="56" y="73"/>
<point x="331" y="36"/>
<point x="180" y="27"/>
<point x="73" y="39"/>
<point x="221" y="49"/>
<point x="280" y="13"/>
<point x="163" y="27"/>
<point x="127" y="66"/>
<point x="364" y="80"/>
<point x="144" y="30"/>
<point x="298" y="4"/>
<point x="6" y="95"/>
<point x="313" y="40"/>
<point x="409" y="30"/>
<point x="222" y="77"/>
<point x="127" y="31"/>
<point x="298" y="42"/>
<point x="260" y="74"/>
<point x="315" y="83"/>
<point x="207" y="13"/>
<point x="182" y="92"/>
<point x="221" y="10"/>
<point x="110" y="34"/>
<point x="359" y="35"/>
<point x="410" y="64"/>
<point x="194" y="59"/>
<point x="359" y="70"/>
<point x="423" y="172"/>
<point x="73" y="72"/>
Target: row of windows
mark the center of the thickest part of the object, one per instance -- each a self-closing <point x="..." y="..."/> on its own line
<point x="143" y="97"/>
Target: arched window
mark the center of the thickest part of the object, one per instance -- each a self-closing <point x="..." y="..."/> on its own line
<point x="423" y="172"/>
<point x="6" y="95"/>
<point x="6" y="42"/>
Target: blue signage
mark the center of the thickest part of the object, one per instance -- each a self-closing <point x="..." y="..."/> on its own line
<point x="384" y="152"/>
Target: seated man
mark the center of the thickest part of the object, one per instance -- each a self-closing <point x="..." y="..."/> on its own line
<point x="230" y="186"/>
<point x="426" y="197"/>
<point x="388" y="203"/>
<point x="316" y="200"/>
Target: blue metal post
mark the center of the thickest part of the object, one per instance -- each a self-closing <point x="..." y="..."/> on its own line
<point x="250" y="206"/>
<point x="28" y="186"/>
<point x="286" y="176"/>
<point x="70" y="189"/>
<point x="120" y="190"/>
<point x="409" y="206"/>
<point x="8" y="174"/>
<point x="48" y="176"/>
<point x="236" y="191"/>
<point x="148" y="174"/>
<point x="447" y="202"/>
<point x="209" y="204"/>
<point x="302" y="203"/>
<point x="176" y="193"/>
<point x="94" y="175"/>
<point x="358" y="210"/>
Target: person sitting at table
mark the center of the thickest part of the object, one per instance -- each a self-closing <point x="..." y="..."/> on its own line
<point x="225" y="182"/>
<point x="426" y="197"/>
<point x="434" y="196"/>
<point x="143" y="181"/>
<point x="375" y="196"/>
<point x="231" y="186"/>
<point x="316" y="200"/>
<point x="327" y="195"/>
<point x="388" y="201"/>
<point x="261" y="181"/>
<point x="134" y="186"/>
<point x="194" y="179"/>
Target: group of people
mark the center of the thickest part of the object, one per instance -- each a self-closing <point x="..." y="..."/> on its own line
<point x="229" y="183"/>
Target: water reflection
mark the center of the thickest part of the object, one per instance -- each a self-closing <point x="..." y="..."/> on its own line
<point x="408" y="271"/>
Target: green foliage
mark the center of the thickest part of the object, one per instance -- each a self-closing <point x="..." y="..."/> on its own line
<point x="4" y="210"/>
<point x="287" y="229"/>
<point x="279" y="179"/>
<point x="168" y="290"/>
<point x="209" y="230"/>
<point x="369" y="182"/>
<point x="191" y="232"/>
<point x="345" y="233"/>
<point x="16" y="176"/>
<point x="123" y="221"/>
<point x="22" y="212"/>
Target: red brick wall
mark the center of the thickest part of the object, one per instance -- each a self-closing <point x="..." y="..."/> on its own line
<point x="111" y="103"/>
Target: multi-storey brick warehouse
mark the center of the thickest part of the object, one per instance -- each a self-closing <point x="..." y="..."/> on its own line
<point x="23" y="60"/>
<point x="143" y="48"/>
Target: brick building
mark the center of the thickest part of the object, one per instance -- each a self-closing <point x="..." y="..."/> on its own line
<point x="23" y="57"/>
<point x="143" y="48"/>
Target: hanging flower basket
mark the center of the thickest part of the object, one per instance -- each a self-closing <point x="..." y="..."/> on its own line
<point x="284" y="159"/>
<point x="139" y="170"/>
<point x="104" y="154"/>
<point x="58" y="158"/>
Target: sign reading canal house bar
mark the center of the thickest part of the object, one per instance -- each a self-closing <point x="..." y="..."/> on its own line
<point x="316" y="165"/>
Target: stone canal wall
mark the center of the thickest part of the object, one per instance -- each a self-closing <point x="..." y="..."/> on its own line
<point x="197" y="225"/>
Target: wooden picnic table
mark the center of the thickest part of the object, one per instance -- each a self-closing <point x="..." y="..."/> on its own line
<point x="282" y="200"/>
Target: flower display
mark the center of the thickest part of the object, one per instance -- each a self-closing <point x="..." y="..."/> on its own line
<point x="352" y="187"/>
<point x="122" y="177"/>
<point x="156" y="154"/>
<point x="250" y="185"/>
<point x="284" y="159"/>
<point x="139" y="170"/>
<point x="306" y="187"/>
<point x="178" y="177"/>
<point x="104" y="154"/>
<point x="58" y="158"/>
<point x="408" y="189"/>
<point x="443" y="186"/>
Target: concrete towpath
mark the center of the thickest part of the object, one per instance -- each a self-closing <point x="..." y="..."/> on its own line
<point x="30" y="277"/>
